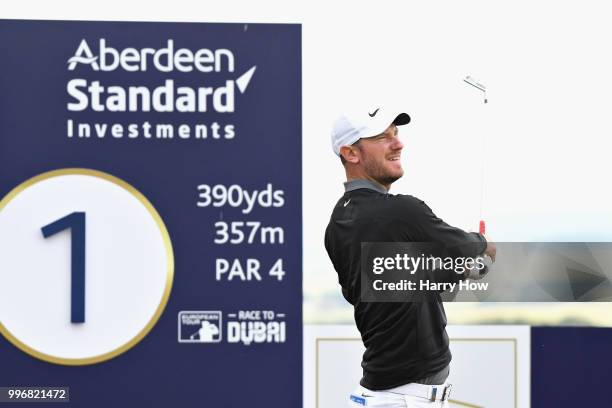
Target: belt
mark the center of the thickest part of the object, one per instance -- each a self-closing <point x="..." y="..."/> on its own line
<point x="430" y="392"/>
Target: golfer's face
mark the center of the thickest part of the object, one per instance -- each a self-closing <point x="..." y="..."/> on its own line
<point x="381" y="156"/>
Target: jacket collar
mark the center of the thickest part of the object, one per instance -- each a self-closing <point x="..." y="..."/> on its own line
<point x="360" y="183"/>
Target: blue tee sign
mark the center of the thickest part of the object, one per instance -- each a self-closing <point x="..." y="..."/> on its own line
<point x="150" y="225"/>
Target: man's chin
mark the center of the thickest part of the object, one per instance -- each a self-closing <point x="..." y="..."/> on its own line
<point x="391" y="178"/>
<point x="396" y="174"/>
<point x="395" y="170"/>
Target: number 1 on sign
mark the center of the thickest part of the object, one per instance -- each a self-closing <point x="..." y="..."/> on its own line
<point x="76" y="223"/>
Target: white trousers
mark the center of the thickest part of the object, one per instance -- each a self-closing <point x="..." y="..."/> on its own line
<point x="362" y="397"/>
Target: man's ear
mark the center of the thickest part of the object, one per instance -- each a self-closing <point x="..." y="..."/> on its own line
<point x="349" y="153"/>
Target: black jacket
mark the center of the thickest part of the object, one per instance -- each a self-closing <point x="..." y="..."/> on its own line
<point x="405" y="342"/>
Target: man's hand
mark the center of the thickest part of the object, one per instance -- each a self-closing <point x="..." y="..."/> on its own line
<point x="491" y="250"/>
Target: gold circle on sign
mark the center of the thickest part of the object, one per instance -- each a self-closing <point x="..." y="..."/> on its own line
<point x="169" y="274"/>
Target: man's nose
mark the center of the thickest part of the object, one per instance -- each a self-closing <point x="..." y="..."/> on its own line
<point x="397" y="144"/>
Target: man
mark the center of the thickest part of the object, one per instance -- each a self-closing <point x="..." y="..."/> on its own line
<point x="406" y="362"/>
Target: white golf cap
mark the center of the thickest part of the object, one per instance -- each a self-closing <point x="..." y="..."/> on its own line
<point x="363" y="123"/>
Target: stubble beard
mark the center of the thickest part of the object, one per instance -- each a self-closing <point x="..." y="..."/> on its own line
<point x="379" y="173"/>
